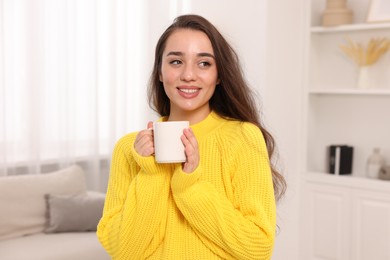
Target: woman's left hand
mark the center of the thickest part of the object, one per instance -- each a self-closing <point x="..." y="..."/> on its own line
<point x="191" y="150"/>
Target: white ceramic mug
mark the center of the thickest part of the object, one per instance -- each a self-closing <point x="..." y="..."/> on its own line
<point x="168" y="147"/>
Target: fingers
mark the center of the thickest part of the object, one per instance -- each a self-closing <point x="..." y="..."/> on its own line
<point x="144" y="143"/>
<point x="191" y="150"/>
<point x="190" y="139"/>
<point x="150" y="125"/>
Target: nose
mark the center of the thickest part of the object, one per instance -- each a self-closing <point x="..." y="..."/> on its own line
<point x="188" y="73"/>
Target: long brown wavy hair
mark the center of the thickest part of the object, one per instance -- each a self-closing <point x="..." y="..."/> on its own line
<point x="232" y="99"/>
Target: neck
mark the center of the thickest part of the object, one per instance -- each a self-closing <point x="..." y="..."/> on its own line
<point x="193" y="117"/>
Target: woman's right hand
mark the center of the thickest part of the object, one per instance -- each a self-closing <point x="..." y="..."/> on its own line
<point x="144" y="144"/>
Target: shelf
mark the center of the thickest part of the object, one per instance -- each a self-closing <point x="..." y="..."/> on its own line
<point x="350" y="28"/>
<point x="350" y="91"/>
<point x="348" y="181"/>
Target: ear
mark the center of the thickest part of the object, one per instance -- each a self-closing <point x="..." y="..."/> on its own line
<point x="218" y="81"/>
<point x="160" y="77"/>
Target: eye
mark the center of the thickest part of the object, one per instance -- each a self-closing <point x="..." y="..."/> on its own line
<point x="175" y="62"/>
<point x="204" y="64"/>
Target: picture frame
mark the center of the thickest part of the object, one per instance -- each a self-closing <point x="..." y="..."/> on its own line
<point x="379" y="11"/>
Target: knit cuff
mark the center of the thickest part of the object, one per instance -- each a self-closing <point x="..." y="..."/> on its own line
<point x="181" y="180"/>
<point x="147" y="163"/>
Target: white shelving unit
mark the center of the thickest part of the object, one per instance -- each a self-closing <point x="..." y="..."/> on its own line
<point x="337" y="111"/>
<point x="338" y="210"/>
<point x="350" y="28"/>
<point x="349" y="91"/>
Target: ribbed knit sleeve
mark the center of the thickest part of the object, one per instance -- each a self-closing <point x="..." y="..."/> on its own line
<point x="135" y="211"/>
<point x="237" y="220"/>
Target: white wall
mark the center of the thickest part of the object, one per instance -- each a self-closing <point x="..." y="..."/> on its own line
<point x="283" y="103"/>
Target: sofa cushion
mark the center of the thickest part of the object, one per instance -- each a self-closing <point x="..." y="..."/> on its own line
<point x="22" y="200"/>
<point x="68" y="213"/>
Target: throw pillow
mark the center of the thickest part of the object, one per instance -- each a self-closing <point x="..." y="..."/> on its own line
<point x="22" y="199"/>
<point x="78" y="213"/>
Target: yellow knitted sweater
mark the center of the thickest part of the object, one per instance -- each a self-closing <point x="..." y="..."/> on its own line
<point x="225" y="209"/>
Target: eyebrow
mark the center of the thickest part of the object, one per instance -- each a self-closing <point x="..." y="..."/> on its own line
<point x="201" y="54"/>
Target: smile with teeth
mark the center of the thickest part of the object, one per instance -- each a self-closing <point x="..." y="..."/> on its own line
<point x="188" y="91"/>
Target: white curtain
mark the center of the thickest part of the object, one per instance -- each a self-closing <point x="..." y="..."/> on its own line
<point x="73" y="77"/>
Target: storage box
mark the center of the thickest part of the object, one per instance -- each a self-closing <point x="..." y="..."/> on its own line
<point x="340" y="159"/>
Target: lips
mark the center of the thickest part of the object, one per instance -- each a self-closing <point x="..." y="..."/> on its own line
<point x="188" y="92"/>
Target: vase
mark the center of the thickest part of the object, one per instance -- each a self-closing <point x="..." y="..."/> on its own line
<point x="374" y="164"/>
<point x="364" y="77"/>
<point x="336" y="13"/>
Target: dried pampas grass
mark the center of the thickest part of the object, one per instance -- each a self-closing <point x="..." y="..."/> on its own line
<point x="366" y="55"/>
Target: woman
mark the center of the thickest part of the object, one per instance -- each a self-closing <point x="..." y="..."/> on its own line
<point x="220" y="203"/>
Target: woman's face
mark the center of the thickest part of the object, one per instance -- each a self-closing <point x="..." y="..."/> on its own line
<point x="189" y="73"/>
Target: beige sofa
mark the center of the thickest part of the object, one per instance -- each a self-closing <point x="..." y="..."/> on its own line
<point x="49" y="217"/>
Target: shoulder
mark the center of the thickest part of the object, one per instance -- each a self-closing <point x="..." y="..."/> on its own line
<point x="239" y="129"/>
<point x="126" y="141"/>
<point x="241" y="134"/>
<point x="241" y="141"/>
